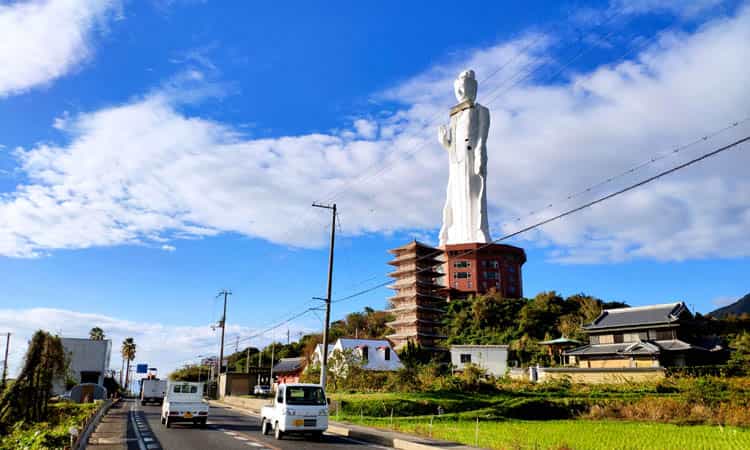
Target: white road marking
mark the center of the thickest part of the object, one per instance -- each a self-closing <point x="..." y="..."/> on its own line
<point x="151" y="446"/>
<point x="240" y="438"/>
<point x="141" y="445"/>
<point x="231" y="433"/>
<point x="255" y="444"/>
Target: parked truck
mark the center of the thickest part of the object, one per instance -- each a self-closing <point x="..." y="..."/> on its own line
<point x="184" y="402"/>
<point x="296" y="408"/>
<point x="153" y="390"/>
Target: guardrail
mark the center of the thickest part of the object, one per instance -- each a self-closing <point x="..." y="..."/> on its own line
<point x="80" y="439"/>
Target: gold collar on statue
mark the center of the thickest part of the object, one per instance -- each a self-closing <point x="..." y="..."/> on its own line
<point x="467" y="104"/>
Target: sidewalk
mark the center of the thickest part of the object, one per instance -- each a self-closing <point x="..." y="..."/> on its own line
<point x="373" y="435"/>
<point x="112" y="431"/>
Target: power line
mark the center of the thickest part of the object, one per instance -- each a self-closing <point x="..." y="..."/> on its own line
<point x="566" y="213"/>
<point x="630" y="171"/>
<point x="653" y="159"/>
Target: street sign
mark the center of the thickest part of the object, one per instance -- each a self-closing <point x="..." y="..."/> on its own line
<point x="141" y="368"/>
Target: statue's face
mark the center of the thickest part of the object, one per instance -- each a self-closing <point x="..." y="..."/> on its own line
<point x="465" y="89"/>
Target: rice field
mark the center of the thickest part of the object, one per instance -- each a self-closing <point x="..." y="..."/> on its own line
<point x="570" y="434"/>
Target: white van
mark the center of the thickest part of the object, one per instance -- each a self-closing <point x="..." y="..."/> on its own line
<point x="153" y="391"/>
<point x="297" y="408"/>
<point x="184" y="403"/>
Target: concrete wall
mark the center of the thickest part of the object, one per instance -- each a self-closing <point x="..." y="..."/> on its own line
<point x="492" y="358"/>
<point x="85" y="355"/>
<point x="601" y="375"/>
<point x="253" y="404"/>
<point x="236" y="384"/>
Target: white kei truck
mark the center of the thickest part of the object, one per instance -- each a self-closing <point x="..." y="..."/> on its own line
<point x="184" y="403"/>
<point x="153" y="390"/>
<point x="296" y="408"/>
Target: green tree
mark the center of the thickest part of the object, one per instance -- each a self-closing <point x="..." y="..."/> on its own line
<point x="128" y="354"/>
<point x="96" y="334"/>
<point x="739" y="360"/>
<point x="27" y="398"/>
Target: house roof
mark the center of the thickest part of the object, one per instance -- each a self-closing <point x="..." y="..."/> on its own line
<point x="633" y="348"/>
<point x="662" y="314"/>
<point x="286" y="365"/>
<point x="354" y="343"/>
<point x="560" y="341"/>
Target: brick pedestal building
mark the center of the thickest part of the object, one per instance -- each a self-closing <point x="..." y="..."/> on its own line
<point x="426" y="277"/>
<point x="473" y="269"/>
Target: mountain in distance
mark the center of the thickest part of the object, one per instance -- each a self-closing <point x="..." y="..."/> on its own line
<point x="739" y="307"/>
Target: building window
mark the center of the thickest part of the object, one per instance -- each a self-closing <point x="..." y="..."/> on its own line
<point x="606" y="339"/>
<point x="660" y="335"/>
<point x="497" y="285"/>
<point x="483" y="263"/>
<point x="511" y="289"/>
<point x="387" y="354"/>
<point x="491" y="275"/>
<point x="634" y="337"/>
<point x="465" y="358"/>
<point x="494" y="264"/>
<point x="484" y="285"/>
<point x="511" y="269"/>
<point x="618" y="338"/>
<point x="365" y="355"/>
<point x="459" y="275"/>
<point x="469" y="285"/>
<point x="461" y="264"/>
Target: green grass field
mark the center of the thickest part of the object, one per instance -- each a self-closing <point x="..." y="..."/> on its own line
<point x="571" y="434"/>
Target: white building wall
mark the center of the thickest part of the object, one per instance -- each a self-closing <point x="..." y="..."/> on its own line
<point x="492" y="358"/>
<point x="85" y="355"/>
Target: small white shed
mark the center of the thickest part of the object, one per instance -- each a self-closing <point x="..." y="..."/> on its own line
<point x="492" y="358"/>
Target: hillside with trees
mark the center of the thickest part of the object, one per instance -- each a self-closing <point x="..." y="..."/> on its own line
<point x="522" y="322"/>
<point x="738" y="308"/>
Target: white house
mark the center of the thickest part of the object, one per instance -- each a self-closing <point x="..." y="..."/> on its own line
<point x="317" y="355"/>
<point x="89" y="361"/>
<point x="374" y="354"/>
<point x="492" y="358"/>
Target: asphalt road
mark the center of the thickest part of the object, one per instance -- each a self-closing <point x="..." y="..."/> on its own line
<point x="227" y="429"/>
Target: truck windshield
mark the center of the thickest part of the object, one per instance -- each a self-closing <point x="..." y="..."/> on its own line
<point x="305" y="395"/>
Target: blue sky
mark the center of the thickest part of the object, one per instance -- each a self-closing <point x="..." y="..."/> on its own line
<point x="152" y="153"/>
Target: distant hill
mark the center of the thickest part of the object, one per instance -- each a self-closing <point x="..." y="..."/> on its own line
<point x="740" y="306"/>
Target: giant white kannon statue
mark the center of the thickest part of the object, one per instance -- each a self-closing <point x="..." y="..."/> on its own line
<point x="465" y="211"/>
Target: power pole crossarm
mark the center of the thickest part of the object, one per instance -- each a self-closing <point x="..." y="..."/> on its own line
<point x="324" y="362"/>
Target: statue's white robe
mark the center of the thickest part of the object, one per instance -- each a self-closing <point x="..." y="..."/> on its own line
<point x="465" y="211"/>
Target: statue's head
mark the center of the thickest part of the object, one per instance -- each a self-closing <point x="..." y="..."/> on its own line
<point x="465" y="86"/>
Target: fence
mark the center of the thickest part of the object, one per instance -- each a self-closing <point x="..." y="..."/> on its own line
<point x="83" y="432"/>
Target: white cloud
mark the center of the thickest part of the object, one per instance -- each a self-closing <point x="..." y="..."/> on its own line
<point x="165" y="347"/>
<point x="145" y="171"/>
<point x="41" y="40"/>
<point x="168" y="248"/>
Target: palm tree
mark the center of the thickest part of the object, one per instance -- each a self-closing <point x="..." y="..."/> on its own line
<point x="128" y="354"/>
<point x="96" y="334"/>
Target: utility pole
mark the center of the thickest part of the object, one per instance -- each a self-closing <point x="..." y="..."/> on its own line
<point x="223" y="325"/>
<point x="324" y="362"/>
<point x="288" y="340"/>
<point x="247" y="360"/>
<point x="273" y="347"/>
<point x="5" y="363"/>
